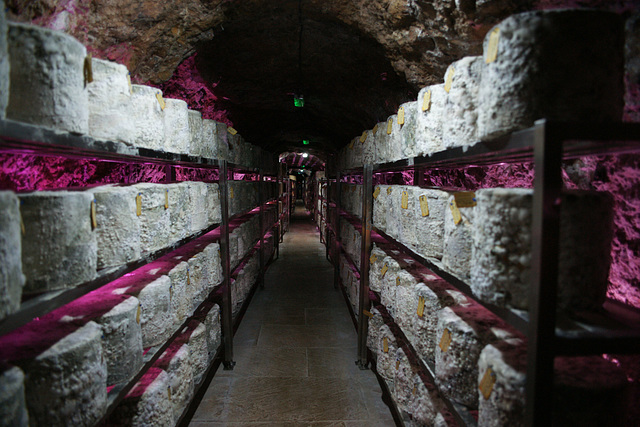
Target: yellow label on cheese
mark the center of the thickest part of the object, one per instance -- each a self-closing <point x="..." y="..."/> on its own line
<point x="487" y="383"/>
<point x="88" y="70"/>
<point x="426" y="101"/>
<point x="376" y="192"/>
<point x="231" y="192"/>
<point x="139" y="204"/>
<point x="455" y="212"/>
<point x="401" y="115"/>
<point x="375" y="129"/>
<point x="22" y="228"/>
<point x="94" y="221"/>
<point x="389" y="190"/>
<point x="138" y="313"/>
<point x="449" y="80"/>
<point x="166" y="199"/>
<point x="445" y="341"/>
<point x="397" y="281"/>
<point x="384" y="270"/>
<point x="160" y="99"/>
<point x="397" y="365"/>
<point x="169" y="392"/>
<point x="367" y="313"/>
<point x="372" y="259"/>
<point x="404" y="201"/>
<point x="351" y="144"/>
<point x="389" y="126"/>
<point x="424" y="205"/>
<point x="385" y="345"/>
<point x="492" y="48"/>
<point x="415" y="389"/>
<point x="465" y="199"/>
<point x="231" y="130"/>
<point x="420" y="310"/>
<point x="363" y="137"/>
<point x="129" y="83"/>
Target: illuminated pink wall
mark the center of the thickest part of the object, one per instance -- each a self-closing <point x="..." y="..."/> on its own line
<point x="187" y="84"/>
<point x="27" y="172"/>
<point x="618" y="175"/>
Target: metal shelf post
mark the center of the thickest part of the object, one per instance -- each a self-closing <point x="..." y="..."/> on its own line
<point x="227" y="310"/>
<point x="364" y="303"/>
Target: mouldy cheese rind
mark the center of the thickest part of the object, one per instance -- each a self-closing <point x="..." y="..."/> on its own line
<point x="47" y="81"/>
<point x="408" y="141"/>
<point x="109" y="102"/>
<point x="147" y="404"/>
<point x="176" y="126"/>
<point x="13" y="408"/>
<point x="179" y="212"/>
<point x="555" y="64"/>
<point x="428" y="133"/>
<point x="11" y="277"/>
<point x="460" y="126"/>
<point x="4" y="65"/>
<point x="67" y="384"/>
<point x="146" y="113"/>
<point x="117" y="226"/>
<point x="59" y="248"/>
<point x="122" y="340"/>
<point x="501" y="254"/>
<point x="195" y="133"/>
<point x="209" y="146"/>
<point x="156" y="319"/>
<point x="155" y="219"/>
<point x="458" y="240"/>
<point x="461" y="335"/>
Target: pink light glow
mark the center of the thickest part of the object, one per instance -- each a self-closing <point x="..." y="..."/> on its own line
<point x="28" y="172"/>
<point x="187" y="84"/>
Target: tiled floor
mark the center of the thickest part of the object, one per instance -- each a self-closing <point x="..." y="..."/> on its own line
<point x="295" y="351"/>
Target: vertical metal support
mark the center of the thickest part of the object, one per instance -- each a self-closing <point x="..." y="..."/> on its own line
<point x="544" y="280"/>
<point x="169" y="174"/>
<point x="418" y="176"/>
<point x="336" y="231"/>
<point x="261" y="219"/>
<point x="365" y="303"/>
<point x="227" y="313"/>
<point x="280" y="188"/>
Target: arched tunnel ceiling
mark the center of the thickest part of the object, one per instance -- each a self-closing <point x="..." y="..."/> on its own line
<point x="259" y="64"/>
<point x="360" y="58"/>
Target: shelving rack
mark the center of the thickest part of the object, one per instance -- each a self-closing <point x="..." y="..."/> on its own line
<point x="546" y="144"/>
<point x="21" y="138"/>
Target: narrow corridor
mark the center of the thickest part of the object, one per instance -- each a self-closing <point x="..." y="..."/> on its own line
<point x="295" y="350"/>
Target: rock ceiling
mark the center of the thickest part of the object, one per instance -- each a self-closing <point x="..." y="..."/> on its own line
<point x="242" y="61"/>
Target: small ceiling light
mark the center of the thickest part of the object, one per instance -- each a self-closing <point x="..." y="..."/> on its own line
<point x="305" y="142"/>
<point x="305" y="155"/>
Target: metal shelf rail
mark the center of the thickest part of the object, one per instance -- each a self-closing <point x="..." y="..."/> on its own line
<point x="546" y="144"/>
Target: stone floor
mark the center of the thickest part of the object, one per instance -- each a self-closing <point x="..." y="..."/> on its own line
<point x="295" y="351"/>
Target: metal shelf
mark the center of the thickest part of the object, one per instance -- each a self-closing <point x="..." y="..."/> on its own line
<point x="460" y="412"/>
<point x="42" y="304"/>
<point x="518" y="319"/>
<point x="546" y="144"/>
<point x="18" y="137"/>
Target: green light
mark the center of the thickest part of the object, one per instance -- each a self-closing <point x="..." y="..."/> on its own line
<point x="306" y="142"/>
<point x="298" y="101"/>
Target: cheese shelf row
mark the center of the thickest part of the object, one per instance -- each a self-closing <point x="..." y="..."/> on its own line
<point x="108" y="333"/>
<point x="51" y="82"/>
<point x="66" y="239"/>
<point x="516" y="80"/>
<point x="422" y="221"/>
<point x="472" y="356"/>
